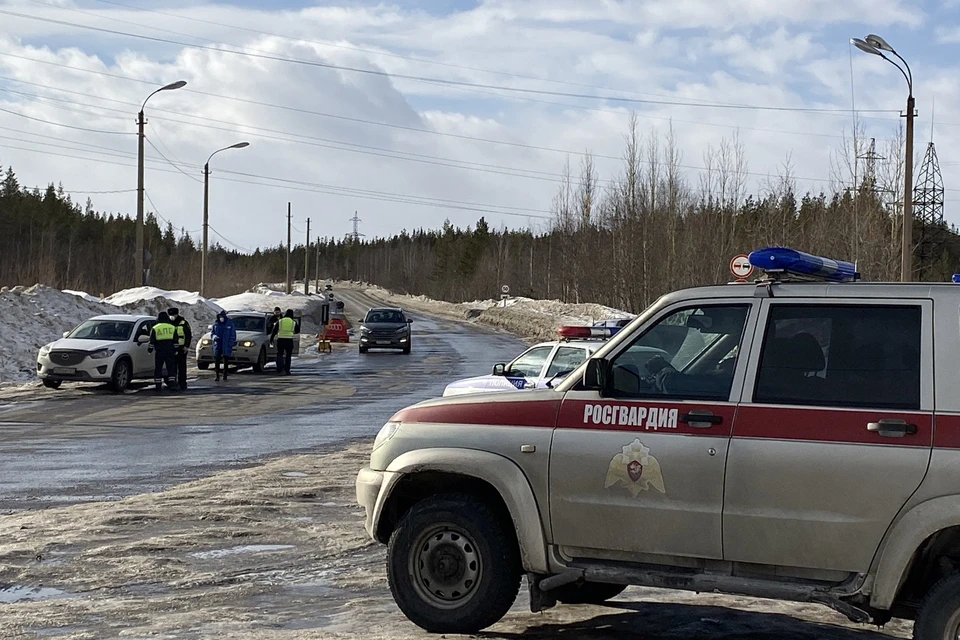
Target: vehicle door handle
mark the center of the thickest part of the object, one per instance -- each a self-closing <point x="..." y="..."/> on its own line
<point x="892" y="428"/>
<point x="700" y="419"/>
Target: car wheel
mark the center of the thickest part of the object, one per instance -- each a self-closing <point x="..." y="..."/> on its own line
<point x="120" y="379"/>
<point x="52" y="384"/>
<point x="363" y="349"/>
<point x="453" y="565"/>
<point x="939" y="615"/>
<point x="586" y="592"/>
<point x="203" y="366"/>
<point x="261" y="361"/>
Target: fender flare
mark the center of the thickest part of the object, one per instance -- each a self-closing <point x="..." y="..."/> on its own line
<point x="504" y="475"/>
<point x="902" y="542"/>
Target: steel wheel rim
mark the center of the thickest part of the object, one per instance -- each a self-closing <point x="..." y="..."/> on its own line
<point x="446" y="566"/>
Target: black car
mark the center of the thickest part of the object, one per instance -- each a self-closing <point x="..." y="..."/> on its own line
<point x="385" y="328"/>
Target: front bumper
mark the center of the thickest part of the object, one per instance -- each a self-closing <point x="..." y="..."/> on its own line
<point x="384" y="342"/>
<point x="369" y="484"/>
<point x="87" y="371"/>
<point x="243" y="355"/>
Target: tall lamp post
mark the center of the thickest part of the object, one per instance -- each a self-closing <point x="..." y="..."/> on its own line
<point x="875" y="45"/>
<point x="206" y="200"/>
<point x="141" y="278"/>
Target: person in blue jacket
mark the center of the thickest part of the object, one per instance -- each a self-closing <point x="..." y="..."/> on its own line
<point x="224" y="336"/>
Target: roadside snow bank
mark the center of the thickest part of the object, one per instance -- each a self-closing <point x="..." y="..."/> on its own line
<point x="524" y="317"/>
<point x="142" y="294"/>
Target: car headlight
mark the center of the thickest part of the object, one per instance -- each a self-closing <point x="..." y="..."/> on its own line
<point x="103" y="353"/>
<point x="206" y="342"/>
<point x="248" y="344"/>
<point x="364" y="329"/>
<point x="45" y="349"/>
<point x="402" y="330"/>
<point x="386" y="432"/>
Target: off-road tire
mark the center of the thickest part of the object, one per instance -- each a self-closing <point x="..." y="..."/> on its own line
<point x="121" y="375"/>
<point x="939" y="615"/>
<point x="406" y="349"/>
<point x="52" y="384"/>
<point x="586" y="592"/>
<point x="203" y="366"/>
<point x="492" y="555"/>
<point x="261" y="363"/>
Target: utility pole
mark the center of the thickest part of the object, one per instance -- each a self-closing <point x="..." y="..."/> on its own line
<point x="288" y="250"/>
<point x="140" y="279"/>
<point x="306" y="262"/>
<point x="206" y="211"/>
<point x="316" y="271"/>
<point x="906" y="267"/>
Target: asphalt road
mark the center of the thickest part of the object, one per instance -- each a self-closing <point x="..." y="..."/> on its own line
<point x="84" y="443"/>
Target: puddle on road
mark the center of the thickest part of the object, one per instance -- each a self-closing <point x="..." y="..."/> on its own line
<point x="294" y="474"/>
<point x="213" y="554"/>
<point x="12" y="593"/>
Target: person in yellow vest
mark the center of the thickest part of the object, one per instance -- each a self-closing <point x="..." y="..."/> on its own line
<point x="163" y="342"/>
<point x="284" y="330"/>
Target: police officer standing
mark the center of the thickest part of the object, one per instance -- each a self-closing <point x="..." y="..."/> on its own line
<point x="284" y="330"/>
<point x="163" y="341"/>
<point x="185" y="338"/>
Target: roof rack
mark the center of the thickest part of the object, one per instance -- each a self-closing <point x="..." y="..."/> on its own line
<point x="781" y="264"/>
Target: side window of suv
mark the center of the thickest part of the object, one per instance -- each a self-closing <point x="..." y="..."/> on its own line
<point x="841" y="355"/>
<point x="690" y="354"/>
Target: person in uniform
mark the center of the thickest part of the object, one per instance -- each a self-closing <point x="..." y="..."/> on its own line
<point x="284" y="330"/>
<point x="224" y="336"/>
<point x="163" y="342"/>
<point x="185" y="338"/>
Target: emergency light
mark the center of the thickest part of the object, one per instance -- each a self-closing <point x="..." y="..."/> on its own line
<point x="956" y="278"/>
<point x="587" y="332"/>
<point x="784" y="260"/>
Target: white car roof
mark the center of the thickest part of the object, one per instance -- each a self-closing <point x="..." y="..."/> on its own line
<point x="591" y="345"/>
<point x="123" y="317"/>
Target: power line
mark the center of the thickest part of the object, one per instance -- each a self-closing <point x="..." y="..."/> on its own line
<point x="66" y="126"/>
<point x="228" y="241"/>
<point x="440" y="81"/>
<point x="172" y="163"/>
<point x="82" y="193"/>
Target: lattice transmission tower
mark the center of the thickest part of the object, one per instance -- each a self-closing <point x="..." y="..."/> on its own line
<point x="928" y="212"/>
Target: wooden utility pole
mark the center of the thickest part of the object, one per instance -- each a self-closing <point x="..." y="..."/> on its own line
<point x="316" y="271"/>
<point x="306" y="262"/>
<point x="289" y="284"/>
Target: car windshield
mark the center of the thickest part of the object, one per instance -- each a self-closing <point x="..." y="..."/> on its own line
<point x="386" y="316"/>
<point x="249" y="323"/>
<point x="116" y="330"/>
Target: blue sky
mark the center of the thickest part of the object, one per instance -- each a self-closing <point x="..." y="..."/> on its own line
<point x="407" y="153"/>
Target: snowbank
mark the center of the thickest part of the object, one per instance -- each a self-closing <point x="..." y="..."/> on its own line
<point x="524" y="317"/>
<point x="82" y="294"/>
<point x="142" y="294"/>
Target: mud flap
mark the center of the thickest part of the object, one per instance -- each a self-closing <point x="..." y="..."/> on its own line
<point x="539" y="600"/>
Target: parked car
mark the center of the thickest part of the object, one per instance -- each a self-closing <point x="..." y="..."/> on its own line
<point x="253" y="346"/>
<point x="385" y="328"/>
<point x="111" y="349"/>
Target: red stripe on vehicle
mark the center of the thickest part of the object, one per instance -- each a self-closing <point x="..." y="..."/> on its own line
<point x="828" y="425"/>
<point x="947" y="433"/>
<point x="538" y="413"/>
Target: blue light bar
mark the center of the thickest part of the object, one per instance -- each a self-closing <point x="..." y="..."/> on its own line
<point x="956" y="278"/>
<point x="781" y="259"/>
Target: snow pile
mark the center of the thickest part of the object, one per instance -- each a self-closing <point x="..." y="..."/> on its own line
<point x="82" y="294"/>
<point x="525" y="317"/>
<point x="38" y="315"/>
<point x="145" y="294"/>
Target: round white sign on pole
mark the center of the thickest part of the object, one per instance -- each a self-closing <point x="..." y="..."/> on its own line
<point x="740" y="267"/>
<point x="505" y="289"/>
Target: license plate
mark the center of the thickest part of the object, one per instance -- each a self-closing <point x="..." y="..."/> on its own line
<point x="383" y="342"/>
<point x="64" y="371"/>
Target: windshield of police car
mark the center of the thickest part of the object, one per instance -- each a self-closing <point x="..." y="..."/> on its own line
<point x="249" y="323"/>
<point x="116" y="330"/>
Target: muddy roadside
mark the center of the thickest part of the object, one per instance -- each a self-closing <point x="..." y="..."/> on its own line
<point x="278" y="550"/>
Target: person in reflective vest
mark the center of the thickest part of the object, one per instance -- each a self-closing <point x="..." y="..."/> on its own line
<point x="224" y="336"/>
<point x="163" y="342"/>
<point x="184" y="337"/>
<point x="285" y="330"/>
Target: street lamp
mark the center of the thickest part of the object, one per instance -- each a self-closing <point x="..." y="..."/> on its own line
<point x="875" y="45"/>
<point x="206" y="199"/>
<point x="141" y="279"/>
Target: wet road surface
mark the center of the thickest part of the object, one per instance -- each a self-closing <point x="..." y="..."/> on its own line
<point x="83" y="443"/>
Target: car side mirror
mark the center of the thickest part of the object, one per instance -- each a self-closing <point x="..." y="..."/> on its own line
<point x="409" y="320"/>
<point x="500" y="369"/>
<point x="143" y="339"/>
<point x="595" y="375"/>
<point x="209" y="327"/>
<point x="66" y="333"/>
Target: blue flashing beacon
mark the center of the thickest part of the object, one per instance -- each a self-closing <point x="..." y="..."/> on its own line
<point x="956" y="278"/>
<point x="784" y="260"/>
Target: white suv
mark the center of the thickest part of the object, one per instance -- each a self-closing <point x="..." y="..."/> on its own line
<point x="110" y="349"/>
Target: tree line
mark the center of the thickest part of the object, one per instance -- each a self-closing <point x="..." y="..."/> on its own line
<point x="620" y="241"/>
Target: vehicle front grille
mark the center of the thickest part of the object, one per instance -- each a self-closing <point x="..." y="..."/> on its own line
<point x="67" y="358"/>
<point x="383" y="334"/>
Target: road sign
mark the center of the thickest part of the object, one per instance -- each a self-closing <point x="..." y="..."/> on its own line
<point x="505" y="289"/>
<point x="740" y="267"/>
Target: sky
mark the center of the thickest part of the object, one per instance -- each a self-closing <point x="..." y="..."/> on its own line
<point x="410" y="113"/>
